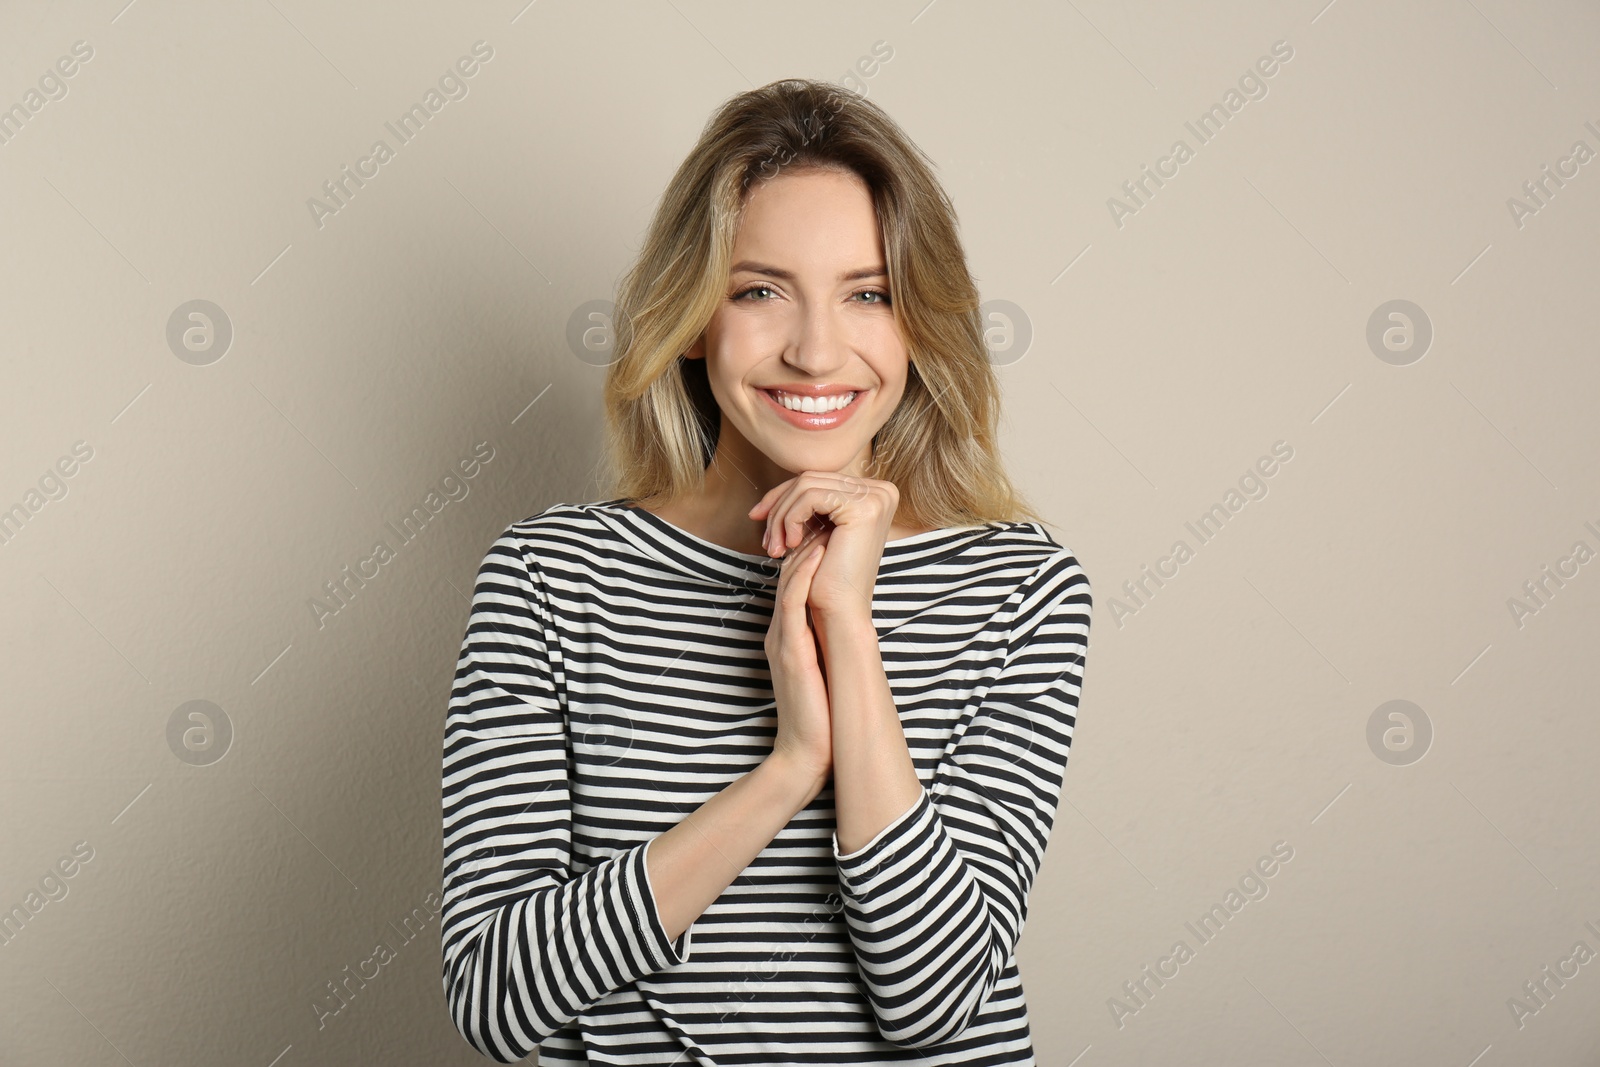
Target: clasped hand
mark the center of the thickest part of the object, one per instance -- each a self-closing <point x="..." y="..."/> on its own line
<point x="830" y="529"/>
<point x="849" y="518"/>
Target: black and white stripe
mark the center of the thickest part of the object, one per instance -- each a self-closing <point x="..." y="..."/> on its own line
<point x="613" y="677"/>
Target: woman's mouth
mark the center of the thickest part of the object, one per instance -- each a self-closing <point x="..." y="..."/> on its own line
<point x="813" y="412"/>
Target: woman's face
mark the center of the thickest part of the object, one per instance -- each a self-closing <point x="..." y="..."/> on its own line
<point x="806" y="314"/>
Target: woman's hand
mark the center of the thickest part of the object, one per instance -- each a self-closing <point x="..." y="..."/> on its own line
<point x="856" y="512"/>
<point x="805" y="719"/>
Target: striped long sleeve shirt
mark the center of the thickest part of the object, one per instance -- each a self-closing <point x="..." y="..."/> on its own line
<point x="613" y="677"/>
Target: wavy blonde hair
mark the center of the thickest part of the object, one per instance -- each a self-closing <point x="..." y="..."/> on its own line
<point x="939" y="446"/>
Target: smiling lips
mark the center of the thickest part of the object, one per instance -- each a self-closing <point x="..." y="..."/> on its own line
<point x="814" y="403"/>
<point x="813" y="407"/>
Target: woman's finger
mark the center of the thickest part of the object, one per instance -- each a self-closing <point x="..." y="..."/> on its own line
<point x="804" y="511"/>
<point x="794" y="593"/>
<point x="789" y="517"/>
<point x="760" y="510"/>
<point x="776" y="501"/>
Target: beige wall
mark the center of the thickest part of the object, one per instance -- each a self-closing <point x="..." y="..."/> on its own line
<point x="1173" y="345"/>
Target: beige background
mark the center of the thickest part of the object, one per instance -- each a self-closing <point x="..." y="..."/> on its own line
<point x="371" y="353"/>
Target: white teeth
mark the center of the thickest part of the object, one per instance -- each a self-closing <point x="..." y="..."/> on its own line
<point x="814" y="405"/>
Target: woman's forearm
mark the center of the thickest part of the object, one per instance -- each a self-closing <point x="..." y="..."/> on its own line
<point x="874" y="778"/>
<point x="692" y="863"/>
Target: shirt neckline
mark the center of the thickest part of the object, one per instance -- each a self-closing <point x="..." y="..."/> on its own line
<point x="718" y="561"/>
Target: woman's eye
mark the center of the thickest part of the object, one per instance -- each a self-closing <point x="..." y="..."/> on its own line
<point x="880" y="297"/>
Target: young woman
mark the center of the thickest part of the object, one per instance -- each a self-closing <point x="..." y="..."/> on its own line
<point x="756" y="763"/>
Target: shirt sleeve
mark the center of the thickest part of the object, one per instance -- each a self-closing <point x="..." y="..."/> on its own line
<point x="935" y="903"/>
<point x="527" y="944"/>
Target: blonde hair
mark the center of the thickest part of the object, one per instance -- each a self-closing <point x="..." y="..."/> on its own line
<point x="939" y="446"/>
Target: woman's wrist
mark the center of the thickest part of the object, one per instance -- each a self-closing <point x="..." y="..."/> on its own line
<point x="799" y="782"/>
<point x="853" y="628"/>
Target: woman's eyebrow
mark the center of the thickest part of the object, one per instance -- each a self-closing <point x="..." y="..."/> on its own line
<point x="875" y="271"/>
